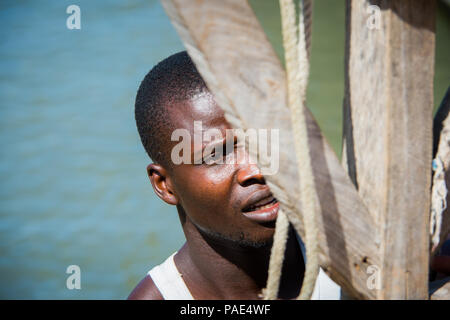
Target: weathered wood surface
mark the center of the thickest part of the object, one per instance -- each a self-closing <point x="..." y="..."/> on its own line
<point x="441" y="152"/>
<point x="239" y="65"/>
<point x="388" y="132"/>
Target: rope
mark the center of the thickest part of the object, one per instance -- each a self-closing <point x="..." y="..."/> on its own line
<point x="438" y="202"/>
<point x="297" y="70"/>
<point x="277" y="257"/>
<point x="439" y="220"/>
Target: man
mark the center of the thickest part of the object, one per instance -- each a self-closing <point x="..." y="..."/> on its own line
<point x="226" y="210"/>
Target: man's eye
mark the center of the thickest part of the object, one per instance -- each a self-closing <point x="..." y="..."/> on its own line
<point x="210" y="159"/>
<point x="218" y="156"/>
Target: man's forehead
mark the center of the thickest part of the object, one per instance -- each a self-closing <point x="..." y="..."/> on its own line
<point x="202" y="108"/>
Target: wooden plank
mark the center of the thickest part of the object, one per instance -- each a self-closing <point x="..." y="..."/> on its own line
<point x="231" y="51"/>
<point x="388" y="132"/>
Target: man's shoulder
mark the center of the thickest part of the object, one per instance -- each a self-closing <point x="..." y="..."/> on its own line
<point x="146" y="290"/>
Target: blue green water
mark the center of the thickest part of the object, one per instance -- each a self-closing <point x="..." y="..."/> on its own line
<point x="73" y="184"/>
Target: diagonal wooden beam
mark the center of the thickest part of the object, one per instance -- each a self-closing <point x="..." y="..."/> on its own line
<point x="240" y="67"/>
<point x="388" y="131"/>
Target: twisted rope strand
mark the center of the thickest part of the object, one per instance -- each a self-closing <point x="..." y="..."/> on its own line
<point x="277" y="256"/>
<point x="297" y="70"/>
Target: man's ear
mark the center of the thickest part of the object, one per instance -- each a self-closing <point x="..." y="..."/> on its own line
<point x="161" y="183"/>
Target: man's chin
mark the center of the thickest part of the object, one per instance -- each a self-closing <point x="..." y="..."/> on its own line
<point x="269" y="225"/>
<point x="243" y="240"/>
<point x="255" y="244"/>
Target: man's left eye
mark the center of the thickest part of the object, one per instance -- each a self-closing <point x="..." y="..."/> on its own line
<point x="218" y="156"/>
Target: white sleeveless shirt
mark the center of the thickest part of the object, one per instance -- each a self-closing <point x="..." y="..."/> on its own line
<point x="171" y="285"/>
<point x="169" y="281"/>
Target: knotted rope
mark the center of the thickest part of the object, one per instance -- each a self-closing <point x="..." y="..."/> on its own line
<point x="438" y="202"/>
<point x="296" y="48"/>
<point x="439" y="222"/>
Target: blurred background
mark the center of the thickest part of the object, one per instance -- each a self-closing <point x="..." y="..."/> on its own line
<point x="73" y="183"/>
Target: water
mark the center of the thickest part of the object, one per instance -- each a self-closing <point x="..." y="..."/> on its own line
<point x="73" y="184"/>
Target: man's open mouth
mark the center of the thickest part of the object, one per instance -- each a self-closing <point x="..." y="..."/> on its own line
<point x="262" y="204"/>
<point x="263" y="210"/>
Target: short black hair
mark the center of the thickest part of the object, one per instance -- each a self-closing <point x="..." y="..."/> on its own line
<point x="175" y="79"/>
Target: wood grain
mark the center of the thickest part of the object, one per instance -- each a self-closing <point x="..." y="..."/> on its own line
<point x="388" y="132"/>
<point x="240" y="67"/>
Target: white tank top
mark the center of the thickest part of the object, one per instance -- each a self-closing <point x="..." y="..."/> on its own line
<point x="169" y="281"/>
<point x="171" y="285"/>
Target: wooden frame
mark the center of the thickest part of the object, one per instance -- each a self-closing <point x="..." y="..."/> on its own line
<point x="388" y="132"/>
<point x="240" y="67"/>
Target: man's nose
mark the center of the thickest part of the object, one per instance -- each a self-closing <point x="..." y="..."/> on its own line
<point x="250" y="174"/>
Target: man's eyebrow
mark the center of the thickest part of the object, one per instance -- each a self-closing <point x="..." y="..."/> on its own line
<point x="216" y="143"/>
<point x="213" y="143"/>
<point x="198" y="154"/>
<point x="227" y="139"/>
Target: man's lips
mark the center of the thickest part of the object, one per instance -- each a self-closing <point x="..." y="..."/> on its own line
<point x="266" y="214"/>
<point x="261" y="207"/>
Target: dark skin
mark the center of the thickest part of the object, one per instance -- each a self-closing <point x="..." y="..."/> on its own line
<point x="226" y="254"/>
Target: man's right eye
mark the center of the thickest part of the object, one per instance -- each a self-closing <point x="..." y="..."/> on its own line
<point x="219" y="157"/>
<point x="210" y="159"/>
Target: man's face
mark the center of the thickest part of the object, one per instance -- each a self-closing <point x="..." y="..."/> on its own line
<point x="226" y="201"/>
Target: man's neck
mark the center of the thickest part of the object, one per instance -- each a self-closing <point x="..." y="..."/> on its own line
<point x="214" y="269"/>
